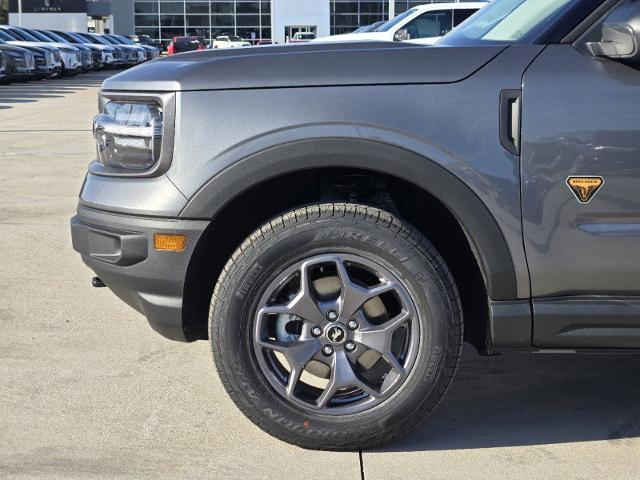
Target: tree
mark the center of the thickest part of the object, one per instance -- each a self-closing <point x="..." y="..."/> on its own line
<point x="4" y="11"/>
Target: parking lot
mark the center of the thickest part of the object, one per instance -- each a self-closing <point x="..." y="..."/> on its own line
<point x="88" y="390"/>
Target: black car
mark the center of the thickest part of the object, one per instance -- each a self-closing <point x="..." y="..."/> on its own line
<point x="3" y="68"/>
<point x="146" y="40"/>
<point x="19" y="62"/>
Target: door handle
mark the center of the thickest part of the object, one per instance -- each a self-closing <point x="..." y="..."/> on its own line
<point x="510" y="119"/>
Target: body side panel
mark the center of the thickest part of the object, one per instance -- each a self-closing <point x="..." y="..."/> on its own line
<point x="454" y="126"/>
<point x="584" y="122"/>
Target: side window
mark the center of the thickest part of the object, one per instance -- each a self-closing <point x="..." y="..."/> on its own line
<point x="461" y="14"/>
<point x="430" y="24"/>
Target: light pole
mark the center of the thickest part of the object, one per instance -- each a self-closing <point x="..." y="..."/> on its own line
<point x="392" y="9"/>
<point x="19" y="13"/>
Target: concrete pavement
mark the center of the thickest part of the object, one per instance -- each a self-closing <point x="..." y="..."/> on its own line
<point x="88" y="390"/>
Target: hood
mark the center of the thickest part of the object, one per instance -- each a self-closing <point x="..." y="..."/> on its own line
<point x="35" y="50"/>
<point x="45" y="45"/>
<point x="61" y="45"/>
<point x="99" y="46"/>
<point x="13" y="48"/>
<point x="305" y="65"/>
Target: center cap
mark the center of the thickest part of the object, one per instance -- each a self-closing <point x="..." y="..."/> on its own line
<point x="336" y="334"/>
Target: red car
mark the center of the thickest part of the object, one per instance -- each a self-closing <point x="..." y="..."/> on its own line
<point x="185" y="44"/>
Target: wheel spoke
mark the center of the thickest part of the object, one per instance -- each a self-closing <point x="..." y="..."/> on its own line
<point x="297" y="354"/>
<point x="379" y="338"/>
<point x="342" y="376"/>
<point x="353" y="296"/>
<point x="302" y="305"/>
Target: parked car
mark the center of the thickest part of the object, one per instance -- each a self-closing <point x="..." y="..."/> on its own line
<point x="264" y="42"/>
<point x="146" y="40"/>
<point x="230" y="41"/>
<point x="90" y="59"/>
<point x="185" y="44"/>
<point x="122" y="56"/>
<point x="424" y="24"/>
<point x="302" y="37"/>
<point x="3" y="68"/>
<point x="19" y="63"/>
<point x="140" y="54"/>
<point x="86" y="62"/>
<point x="104" y="56"/>
<point x="134" y="54"/>
<point x="70" y="57"/>
<point x="47" y="57"/>
<point x="147" y="52"/>
<point x="374" y="204"/>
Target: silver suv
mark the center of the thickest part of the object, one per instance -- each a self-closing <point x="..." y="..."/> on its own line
<point x="373" y="205"/>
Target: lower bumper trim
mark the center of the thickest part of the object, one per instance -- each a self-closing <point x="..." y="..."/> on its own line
<point x="119" y="249"/>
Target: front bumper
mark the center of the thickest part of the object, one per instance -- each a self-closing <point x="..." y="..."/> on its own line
<point x="72" y="62"/>
<point x="120" y="250"/>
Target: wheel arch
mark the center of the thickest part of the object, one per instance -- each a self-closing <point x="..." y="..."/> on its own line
<point x="260" y="179"/>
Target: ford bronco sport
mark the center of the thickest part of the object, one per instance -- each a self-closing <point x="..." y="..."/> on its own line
<point x="374" y="205"/>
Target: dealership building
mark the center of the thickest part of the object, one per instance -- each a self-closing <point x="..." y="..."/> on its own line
<point x="277" y="20"/>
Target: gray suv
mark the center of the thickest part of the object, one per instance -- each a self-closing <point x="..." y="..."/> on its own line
<point x="373" y="205"/>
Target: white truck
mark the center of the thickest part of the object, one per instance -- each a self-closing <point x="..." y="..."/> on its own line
<point x="424" y="24"/>
<point x="225" y="41"/>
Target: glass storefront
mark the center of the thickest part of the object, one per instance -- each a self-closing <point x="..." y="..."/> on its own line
<point x="162" y="19"/>
<point x="250" y="20"/>
<point x="348" y="15"/>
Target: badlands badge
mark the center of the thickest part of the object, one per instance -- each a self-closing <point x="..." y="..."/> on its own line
<point x="585" y="188"/>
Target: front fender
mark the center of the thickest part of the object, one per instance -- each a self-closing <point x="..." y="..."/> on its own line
<point x="480" y="226"/>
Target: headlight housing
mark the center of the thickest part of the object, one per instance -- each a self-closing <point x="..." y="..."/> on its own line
<point x="134" y="134"/>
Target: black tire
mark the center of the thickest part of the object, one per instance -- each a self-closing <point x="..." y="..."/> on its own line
<point x="353" y="229"/>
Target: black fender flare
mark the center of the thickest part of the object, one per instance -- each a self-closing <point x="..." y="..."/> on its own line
<point x="484" y="235"/>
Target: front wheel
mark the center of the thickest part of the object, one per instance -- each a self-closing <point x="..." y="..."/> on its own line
<point x="336" y="326"/>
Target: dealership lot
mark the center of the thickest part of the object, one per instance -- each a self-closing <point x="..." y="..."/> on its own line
<point x="88" y="390"/>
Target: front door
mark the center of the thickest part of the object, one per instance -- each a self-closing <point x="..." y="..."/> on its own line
<point x="581" y="198"/>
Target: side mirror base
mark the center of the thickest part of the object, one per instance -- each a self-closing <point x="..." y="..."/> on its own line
<point x="620" y="35"/>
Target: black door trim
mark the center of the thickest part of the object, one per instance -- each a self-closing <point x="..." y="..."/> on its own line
<point x="587" y="322"/>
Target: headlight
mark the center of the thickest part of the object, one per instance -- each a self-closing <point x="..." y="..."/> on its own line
<point x="134" y="135"/>
<point x="129" y="135"/>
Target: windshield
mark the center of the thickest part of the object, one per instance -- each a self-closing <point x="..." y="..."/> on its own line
<point x="115" y="40"/>
<point x="5" y="36"/>
<point x="39" y="36"/>
<point x="93" y="39"/>
<point x="108" y="40"/>
<point x="385" y="27"/>
<point x="22" y="35"/>
<point x="124" y="40"/>
<point x="509" y="21"/>
<point x="55" y="37"/>
<point x="76" y="38"/>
